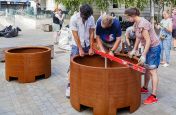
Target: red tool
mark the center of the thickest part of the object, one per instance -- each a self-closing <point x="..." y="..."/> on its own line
<point x="121" y="61"/>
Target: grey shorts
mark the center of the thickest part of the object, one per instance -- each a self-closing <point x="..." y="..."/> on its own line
<point x="56" y="27"/>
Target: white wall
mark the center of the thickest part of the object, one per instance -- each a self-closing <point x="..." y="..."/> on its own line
<point x="50" y="4"/>
<point x="42" y="3"/>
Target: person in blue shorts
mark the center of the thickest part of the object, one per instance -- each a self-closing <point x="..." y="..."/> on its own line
<point x="82" y="26"/>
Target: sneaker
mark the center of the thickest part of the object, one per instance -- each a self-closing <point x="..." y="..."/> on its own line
<point x="162" y="62"/>
<point x="144" y="90"/>
<point x="165" y="65"/>
<point x="19" y="29"/>
<point x="151" y="100"/>
<point x="68" y="91"/>
<point x="174" y="48"/>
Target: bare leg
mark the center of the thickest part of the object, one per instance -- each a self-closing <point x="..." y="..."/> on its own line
<point x="174" y="42"/>
<point x="68" y="90"/>
<point x="147" y="79"/>
<point x="56" y="36"/>
<point x="69" y="77"/>
<point x="155" y="81"/>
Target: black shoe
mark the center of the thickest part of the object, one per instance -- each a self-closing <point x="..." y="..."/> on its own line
<point x="6" y="29"/>
<point x="18" y="29"/>
<point x="12" y="33"/>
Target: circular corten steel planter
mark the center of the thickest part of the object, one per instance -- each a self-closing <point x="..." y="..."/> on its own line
<point x="104" y="89"/>
<point x="27" y="63"/>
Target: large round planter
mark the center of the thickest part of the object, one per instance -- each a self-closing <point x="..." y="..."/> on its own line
<point x="104" y="89"/>
<point x="27" y="63"/>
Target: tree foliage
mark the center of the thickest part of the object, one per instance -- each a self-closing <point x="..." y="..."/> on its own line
<point x="103" y="5"/>
<point x="141" y="4"/>
<point x="73" y="5"/>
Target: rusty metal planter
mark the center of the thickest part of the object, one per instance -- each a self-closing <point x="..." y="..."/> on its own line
<point x="26" y="63"/>
<point x="104" y="89"/>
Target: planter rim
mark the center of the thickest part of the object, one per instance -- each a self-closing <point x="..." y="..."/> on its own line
<point x="28" y="47"/>
<point x="103" y="68"/>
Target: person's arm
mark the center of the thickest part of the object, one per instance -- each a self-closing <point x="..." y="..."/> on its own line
<point x="118" y="38"/>
<point x="60" y="18"/>
<point x="98" y="36"/>
<point x="91" y="31"/>
<point x="146" y="36"/>
<point x="77" y="39"/>
<point x="116" y="45"/>
<point x="127" y="38"/>
<point x="157" y="26"/>
<point x="78" y="42"/>
<point x="100" y="44"/>
<point x="136" y="44"/>
<point x="133" y="52"/>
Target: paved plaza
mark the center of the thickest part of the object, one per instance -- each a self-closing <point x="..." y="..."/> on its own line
<point x="47" y="96"/>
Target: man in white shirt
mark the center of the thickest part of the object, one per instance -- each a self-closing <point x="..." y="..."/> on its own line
<point x="82" y="26"/>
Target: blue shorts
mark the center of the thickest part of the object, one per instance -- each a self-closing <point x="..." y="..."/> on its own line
<point x="153" y="57"/>
<point x="75" y="50"/>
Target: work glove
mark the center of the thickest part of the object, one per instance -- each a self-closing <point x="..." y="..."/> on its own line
<point x="142" y="60"/>
<point x="132" y="53"/>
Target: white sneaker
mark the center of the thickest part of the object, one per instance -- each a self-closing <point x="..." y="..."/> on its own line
<point x="165" y="65"/>
<point x="67" y="92"/>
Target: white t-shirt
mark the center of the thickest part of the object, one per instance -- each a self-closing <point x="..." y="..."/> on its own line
<point x="166" y="22"/>
<point x="77" y="24"/>
<point x="130" y="32"/>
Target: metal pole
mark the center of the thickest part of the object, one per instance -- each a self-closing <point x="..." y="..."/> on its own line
<point x="106" y="62"/>
<point x="152" y="12"/>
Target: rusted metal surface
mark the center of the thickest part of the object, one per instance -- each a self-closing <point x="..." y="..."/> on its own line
<point x="26" y="63"/>
<point x="104" y="89"/>
<point x="3" y="49"/>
